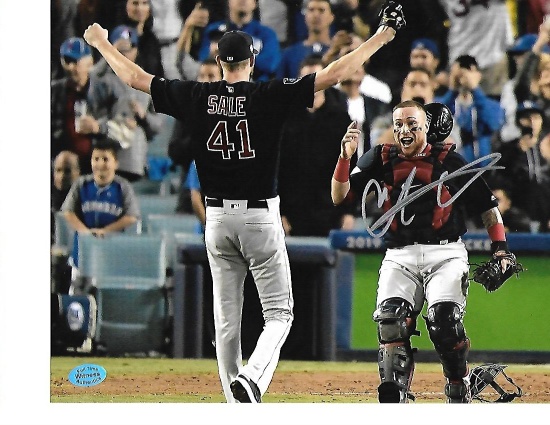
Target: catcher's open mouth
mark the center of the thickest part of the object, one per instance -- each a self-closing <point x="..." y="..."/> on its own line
<point x="406" y="141"/>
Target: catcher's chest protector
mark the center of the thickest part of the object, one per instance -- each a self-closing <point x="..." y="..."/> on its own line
<point x="429" y="216"/>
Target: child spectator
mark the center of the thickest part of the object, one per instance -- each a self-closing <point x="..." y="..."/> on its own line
<point x="99" y="203"/>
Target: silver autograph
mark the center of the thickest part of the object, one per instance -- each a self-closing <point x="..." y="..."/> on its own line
<point x="405" y="199"/>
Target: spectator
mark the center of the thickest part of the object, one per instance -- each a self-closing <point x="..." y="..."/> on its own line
<point x="318" y="18"/>
<point x="241" y="17"/>
<point x="425" y="54"/>
<point x="478" y="116"/>
<point x="518" y="52"/>
<point x="526" y="174"/>
<point x="530" y="15"/>
<point x="514" y="219"/>
<point x="99" y="204"/>
<point x="139" y="15"/>
<point x="484" y="31"/>
<point x="310" y="140"/>
<point x="187" y="66"/>
<point x="344" y="42"/>
<point x="533" y="81"/>
<point x="167" y="25"/>
<point x="425" y="19"/>
<point x="362" y="108"/>
<point x="191" y="31"/>
<point x="65" y="172"/>
<point x="216" y="10"/>
<point x="345" y="13"/>
<point x="81" y="104"/>
<point x="274" y="14"/>
<point x="62" y="22"/>
<point x="108" y="12"/>
<point x="134" y="110"/>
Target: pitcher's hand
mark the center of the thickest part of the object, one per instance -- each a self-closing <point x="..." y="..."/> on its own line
<point x="95" y="34"/>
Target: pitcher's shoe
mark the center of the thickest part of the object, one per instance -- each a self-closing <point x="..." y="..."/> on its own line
<point x="245" y="391"/>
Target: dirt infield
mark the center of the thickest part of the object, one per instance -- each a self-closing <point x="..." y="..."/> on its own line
<point x="287" y="386"/>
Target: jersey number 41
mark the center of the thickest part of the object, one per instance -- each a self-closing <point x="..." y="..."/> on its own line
<point x="219" y="140"/>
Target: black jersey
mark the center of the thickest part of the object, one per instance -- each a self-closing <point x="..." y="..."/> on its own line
<point x="476" y="198"/>
<point x="235" y="129"/>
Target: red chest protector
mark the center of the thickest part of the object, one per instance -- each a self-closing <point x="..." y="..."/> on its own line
<point x="429" y="216"/>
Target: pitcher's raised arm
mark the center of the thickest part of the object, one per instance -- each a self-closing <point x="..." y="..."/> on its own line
<point x="124" y="68"/>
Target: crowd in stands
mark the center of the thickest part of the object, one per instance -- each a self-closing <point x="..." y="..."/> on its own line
<point x="488" y="61"/>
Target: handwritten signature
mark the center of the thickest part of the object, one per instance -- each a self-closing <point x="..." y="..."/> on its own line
<point x="405" y="199"/>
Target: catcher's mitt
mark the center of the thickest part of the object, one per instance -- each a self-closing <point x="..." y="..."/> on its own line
<point x="491" y="275"/>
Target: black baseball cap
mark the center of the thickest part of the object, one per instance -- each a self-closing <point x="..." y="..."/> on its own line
<point x="236" y="46"/>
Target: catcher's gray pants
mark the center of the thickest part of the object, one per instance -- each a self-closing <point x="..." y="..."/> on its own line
<point x="431" y="273"/>
<point x="238" y="239"/>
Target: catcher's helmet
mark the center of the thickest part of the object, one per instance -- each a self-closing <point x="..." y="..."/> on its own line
<point x="440" y="122"/>
<point x="484" y="375"/>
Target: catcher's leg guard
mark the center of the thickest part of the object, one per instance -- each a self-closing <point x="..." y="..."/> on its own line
<point x="447" y="333"/>
<point x="395" y="356"/>
<point x="458" y="391"/>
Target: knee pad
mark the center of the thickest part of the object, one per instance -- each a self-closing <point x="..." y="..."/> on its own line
<point x="445" y="326"/>
<point x="395" y="321"/>
<point x="447" y="333"/>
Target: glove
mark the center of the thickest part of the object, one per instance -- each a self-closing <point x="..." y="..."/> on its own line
<point x="490" y="274"/>
<point x="392" y="15"/>
<point x="440" y="122"/>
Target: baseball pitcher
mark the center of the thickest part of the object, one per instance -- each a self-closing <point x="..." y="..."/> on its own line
<point x="235" y="127"/>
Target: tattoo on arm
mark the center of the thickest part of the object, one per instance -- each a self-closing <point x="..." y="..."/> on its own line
<point x="491" y="217"/>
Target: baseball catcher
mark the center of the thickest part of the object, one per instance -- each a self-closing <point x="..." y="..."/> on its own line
<point x="426" y="262"/>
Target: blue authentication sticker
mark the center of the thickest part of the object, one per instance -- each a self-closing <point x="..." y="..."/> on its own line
<point x="87" y="375"/>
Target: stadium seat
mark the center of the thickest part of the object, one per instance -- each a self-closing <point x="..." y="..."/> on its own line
<point x="172" y="223"/>
<point x="64" y="234"/>
<point x="132" y="315"/>
<point x="129" y="275"/>
<point x="155" y="204"/>
<point x="175" y="228"/>
<point x="145" y="186"/>
<point x="120" y="255"/>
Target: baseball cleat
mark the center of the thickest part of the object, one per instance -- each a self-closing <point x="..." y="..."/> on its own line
<point x="458" y="391"/>
<point x="245" y="391"/>
<point x="392" y="392"/>
<point x="389" y="392"/>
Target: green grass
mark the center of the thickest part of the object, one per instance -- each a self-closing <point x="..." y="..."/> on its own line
<point x="509" y="319"/>
<point x="61" y="366"/>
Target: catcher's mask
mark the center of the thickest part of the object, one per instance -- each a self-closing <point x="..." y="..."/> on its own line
<point x="484" y="375"/>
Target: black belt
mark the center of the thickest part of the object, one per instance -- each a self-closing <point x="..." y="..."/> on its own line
<point x="213" y="202"/>
<point x="397" y="244"/>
